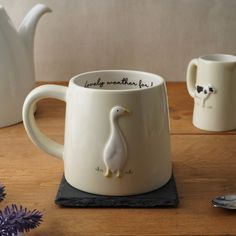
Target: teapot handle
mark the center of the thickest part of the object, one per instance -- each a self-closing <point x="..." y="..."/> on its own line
<point x="191" y="76"/>
<point x="37" y="137"/>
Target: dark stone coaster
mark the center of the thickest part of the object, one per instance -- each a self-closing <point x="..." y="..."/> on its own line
<point x="166" y="196"/>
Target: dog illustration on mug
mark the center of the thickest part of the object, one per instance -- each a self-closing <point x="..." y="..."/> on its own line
<point x="203" y="92"/>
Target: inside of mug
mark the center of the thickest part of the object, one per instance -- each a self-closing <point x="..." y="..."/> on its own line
<point x="118" y="80"/>
<point x="219" y="58"/>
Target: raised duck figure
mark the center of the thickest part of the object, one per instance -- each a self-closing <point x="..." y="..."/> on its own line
<point x="115" y="151"/>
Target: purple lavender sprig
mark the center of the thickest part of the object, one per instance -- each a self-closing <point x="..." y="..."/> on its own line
<point x="2" y="192"/>
<point x="14" y="220"/>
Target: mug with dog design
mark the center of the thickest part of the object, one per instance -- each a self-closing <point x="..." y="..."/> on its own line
<point x="211" y="81"/>
<point x="117" y="139"/>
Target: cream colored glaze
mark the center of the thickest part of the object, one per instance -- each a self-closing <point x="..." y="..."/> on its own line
<point x="87" y="129"/>
<point x="17" y="63"/>
<point x="216" y="110"/>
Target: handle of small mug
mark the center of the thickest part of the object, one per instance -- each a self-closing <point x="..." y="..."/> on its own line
<point x="191" y="76"/>
<point x="37" y="137"/>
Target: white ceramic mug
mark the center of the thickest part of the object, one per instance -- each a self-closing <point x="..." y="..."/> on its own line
<point x="117" y="138"/>
<point x="211" y="81"/>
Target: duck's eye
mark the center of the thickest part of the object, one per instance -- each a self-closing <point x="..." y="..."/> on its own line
<point x="117" y="110"/>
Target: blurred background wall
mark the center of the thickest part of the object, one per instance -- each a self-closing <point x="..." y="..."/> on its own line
<point x="158" y="36"/>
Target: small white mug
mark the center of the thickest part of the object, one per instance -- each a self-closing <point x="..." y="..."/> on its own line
<point x="211" y="81"/>
<point x="117" y="139"/>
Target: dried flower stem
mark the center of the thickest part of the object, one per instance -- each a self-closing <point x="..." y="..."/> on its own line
<point x="14" y="220"/>
<point x="2" y="192"/>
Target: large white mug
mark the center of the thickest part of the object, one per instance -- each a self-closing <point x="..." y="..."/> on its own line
<point x="211" y="81"/>
<point x="117" y="139"/>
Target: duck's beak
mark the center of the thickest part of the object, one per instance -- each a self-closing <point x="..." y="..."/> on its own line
<point x="126" y="112"/>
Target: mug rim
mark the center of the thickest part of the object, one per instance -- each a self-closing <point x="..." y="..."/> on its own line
<point x="161" y="81"/>
<point x="218" y="58"/>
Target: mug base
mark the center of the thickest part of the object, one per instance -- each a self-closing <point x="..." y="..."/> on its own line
<point x="124" y="191"/>
<point x="213" y="129"/>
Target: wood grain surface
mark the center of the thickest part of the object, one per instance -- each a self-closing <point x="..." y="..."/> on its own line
<point x="204" y="166"/>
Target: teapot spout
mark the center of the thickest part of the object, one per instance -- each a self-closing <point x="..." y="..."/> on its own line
<point x="28" y="25"/>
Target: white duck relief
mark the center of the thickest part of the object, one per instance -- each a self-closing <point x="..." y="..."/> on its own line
<point x="115" y="151"/>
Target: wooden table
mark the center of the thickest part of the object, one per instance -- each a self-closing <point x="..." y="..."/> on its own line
<point x="204" y="166"/>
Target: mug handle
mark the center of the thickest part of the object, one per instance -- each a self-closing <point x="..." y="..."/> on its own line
<point x="191" y="76"/>
<point x="37" y="137"/>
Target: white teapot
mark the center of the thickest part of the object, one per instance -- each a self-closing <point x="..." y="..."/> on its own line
<point x="17" y="77"/>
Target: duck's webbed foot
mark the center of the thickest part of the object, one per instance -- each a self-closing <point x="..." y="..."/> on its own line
<point x="108" y="173"/>
<point x="118" y="174"/>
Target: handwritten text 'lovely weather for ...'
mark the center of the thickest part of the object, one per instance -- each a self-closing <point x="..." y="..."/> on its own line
<point x="125" y="81"/>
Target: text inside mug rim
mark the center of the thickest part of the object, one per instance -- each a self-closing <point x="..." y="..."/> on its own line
<point x="117" y="80"/>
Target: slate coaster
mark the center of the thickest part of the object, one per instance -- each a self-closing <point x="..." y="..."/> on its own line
<point x="166" y="196"/>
